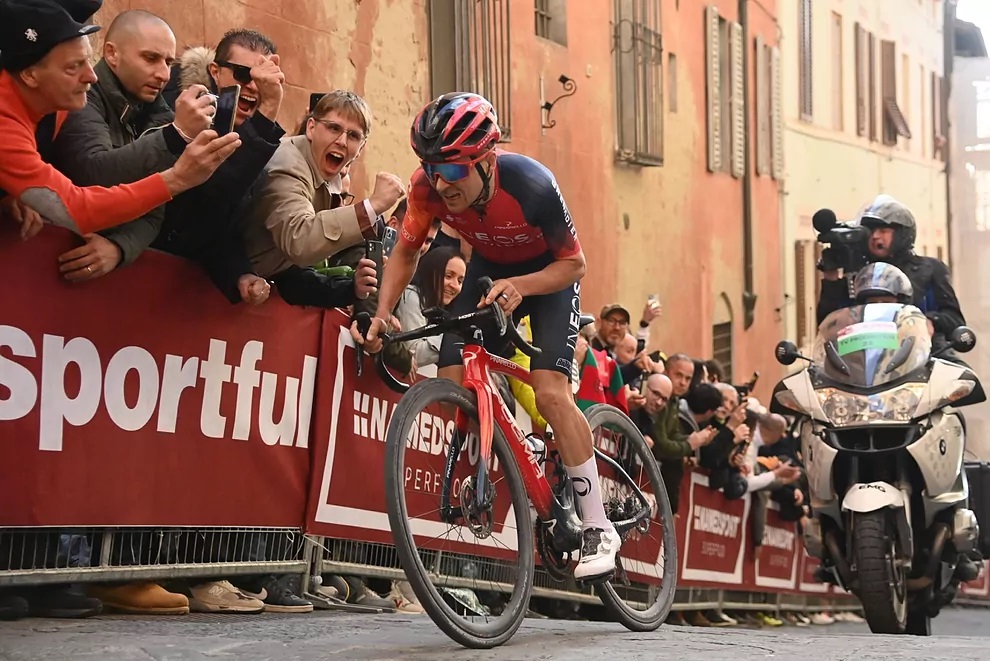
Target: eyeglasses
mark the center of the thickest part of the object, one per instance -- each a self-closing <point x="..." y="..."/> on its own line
<point x="659" y="395"/>
<point x="346" y="199"/>
<point x="240" y="72"/>
<point x="615" y="321"/>
<point x="449" y="172"/>
<point x="335" y="129"/>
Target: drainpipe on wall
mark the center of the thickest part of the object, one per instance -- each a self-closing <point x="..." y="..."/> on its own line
<point x="948" y="67"/>
<point x="749" y="296"/>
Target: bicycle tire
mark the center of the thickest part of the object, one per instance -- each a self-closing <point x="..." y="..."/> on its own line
<point x="468" y="634"/>
<point x="656" y="614"/>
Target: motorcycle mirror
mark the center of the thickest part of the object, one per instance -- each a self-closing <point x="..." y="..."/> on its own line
<point x="963" y="339"/>
<point x="786" y="353"/>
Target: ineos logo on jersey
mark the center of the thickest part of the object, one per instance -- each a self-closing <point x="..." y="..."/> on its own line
<point x="504" y="240"/>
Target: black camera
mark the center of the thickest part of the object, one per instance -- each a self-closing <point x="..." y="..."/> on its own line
<point x="847" y="244"/>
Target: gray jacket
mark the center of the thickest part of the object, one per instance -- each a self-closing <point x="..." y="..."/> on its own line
<point x="116" y="140"/>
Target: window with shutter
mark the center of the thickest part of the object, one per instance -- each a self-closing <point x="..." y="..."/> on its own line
<point x="551" y="20"/>
<point x="738" y="102"/>
<point x="762" y="108"/>
<point x="938" y="123"/>
<point x="776" y="116"/>
<point x="894" y="123"/>
<point x="722" y="347"/>
<point x="714" y="89"/>
<point x="638" y="61"/>
<point x="871" y="81"/>
<point x="838" y="93"/>
<point x="476" y="57"/>
<point x="859" y="46"/>
<point x="806" y="72"/>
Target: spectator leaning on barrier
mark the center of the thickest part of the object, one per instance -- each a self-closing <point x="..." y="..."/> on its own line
<point x="126" y="131"/>
<point x="296" y="218"/>
<point x="203" y="224"/>
<point x="45" y="54"/>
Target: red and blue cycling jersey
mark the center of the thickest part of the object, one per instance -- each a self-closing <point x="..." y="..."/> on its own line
<point x="525" y="218"/>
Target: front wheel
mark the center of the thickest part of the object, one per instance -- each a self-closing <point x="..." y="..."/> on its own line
<point x="473" y="572"/>
<point x="882" y="581"/>
<point x="642" y="592"/>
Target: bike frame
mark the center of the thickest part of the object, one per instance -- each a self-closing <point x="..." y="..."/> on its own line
<point x="478" y="367"/>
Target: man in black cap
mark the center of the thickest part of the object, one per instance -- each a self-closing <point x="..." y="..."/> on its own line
<point x="45" y="56"/>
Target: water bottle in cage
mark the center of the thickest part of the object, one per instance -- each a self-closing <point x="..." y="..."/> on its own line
<point x="538" y="447"/>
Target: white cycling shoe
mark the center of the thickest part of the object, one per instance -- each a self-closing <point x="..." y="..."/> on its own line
<point x="598" y="550"/>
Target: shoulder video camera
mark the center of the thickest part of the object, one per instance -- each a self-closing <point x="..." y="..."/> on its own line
<point x="847" y="243"/>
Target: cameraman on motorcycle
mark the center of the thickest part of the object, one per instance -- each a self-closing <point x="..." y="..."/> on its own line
<point x="881" y="282"/>
<point x="892" y="233"/>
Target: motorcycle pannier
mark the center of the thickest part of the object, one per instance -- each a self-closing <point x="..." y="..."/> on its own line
<point x="978" y="475"/>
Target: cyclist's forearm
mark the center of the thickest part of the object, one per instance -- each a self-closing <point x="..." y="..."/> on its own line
<point x="396" y="276"/>
<point x="560" y="274"/>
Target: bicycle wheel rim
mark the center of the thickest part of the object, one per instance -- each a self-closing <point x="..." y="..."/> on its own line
<point x="424" y="581"/>
<point x="661" y="598"/>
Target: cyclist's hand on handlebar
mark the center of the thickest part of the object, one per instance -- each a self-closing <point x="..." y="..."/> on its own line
<point x="373" y="342"/>
<point x="505" y="293"/>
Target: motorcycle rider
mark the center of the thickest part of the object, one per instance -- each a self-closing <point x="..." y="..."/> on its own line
<point x="881" y="282"/>
<point x="893" y="232"/>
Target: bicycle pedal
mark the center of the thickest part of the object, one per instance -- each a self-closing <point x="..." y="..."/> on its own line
<point x="596" y="580"/>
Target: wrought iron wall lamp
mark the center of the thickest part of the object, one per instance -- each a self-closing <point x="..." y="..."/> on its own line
<point x="570" y="87"/>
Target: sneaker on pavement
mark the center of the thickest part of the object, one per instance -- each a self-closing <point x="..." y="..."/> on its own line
<point x="402" y="602"/>
<point x="598" y="550"/>
<point x="768" y="620"/>
<point x="697" y="619"/>
<point x="362" y="595"/>
<point x="802" y="619"/>
<point x="222" y="597"/>
<point x="280" y="597"/>
<point x="13" y="607"/>
<point x="676" y="619"/>
<point x="143" y="598"/>
<point x="853" y="618"/>
<point x="717" y="619"/>
<point x="822" y="619"/>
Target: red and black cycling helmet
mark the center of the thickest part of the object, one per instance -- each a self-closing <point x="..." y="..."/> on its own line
<point x="459" y="127"/>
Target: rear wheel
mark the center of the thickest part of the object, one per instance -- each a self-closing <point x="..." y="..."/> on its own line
<point x="882" y="581"/>
<point x="642" y="592"/>
<point x="474" y="576"/>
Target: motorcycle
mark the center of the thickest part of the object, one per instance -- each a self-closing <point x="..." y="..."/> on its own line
<point x="883" y="446"/>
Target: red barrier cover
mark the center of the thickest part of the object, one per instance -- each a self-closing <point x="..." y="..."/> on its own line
<point x="145" y="398"/>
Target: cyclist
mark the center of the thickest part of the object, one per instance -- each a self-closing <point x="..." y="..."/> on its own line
<point x="508" y="208"/>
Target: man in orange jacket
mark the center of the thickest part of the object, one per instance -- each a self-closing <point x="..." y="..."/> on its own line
<point x="45" y="60"/>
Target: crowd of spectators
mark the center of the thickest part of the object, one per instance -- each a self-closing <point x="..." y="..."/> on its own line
<point x="122" y="152"/>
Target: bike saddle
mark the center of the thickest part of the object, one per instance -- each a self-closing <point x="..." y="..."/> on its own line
<point x="585" y="320"/>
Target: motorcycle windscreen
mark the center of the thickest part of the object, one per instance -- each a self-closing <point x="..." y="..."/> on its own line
<point x="869" y="345"/>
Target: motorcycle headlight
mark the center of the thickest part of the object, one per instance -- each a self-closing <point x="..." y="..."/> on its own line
<point x="844" y="408"/>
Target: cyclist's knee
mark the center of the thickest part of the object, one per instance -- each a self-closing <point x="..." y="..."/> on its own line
<point x="453" y="372"/>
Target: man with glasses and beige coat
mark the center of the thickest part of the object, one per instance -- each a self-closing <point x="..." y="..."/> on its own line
<point x="297" y="217"/>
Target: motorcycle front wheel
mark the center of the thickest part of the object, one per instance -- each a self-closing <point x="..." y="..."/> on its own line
<point x="882" y="581"/>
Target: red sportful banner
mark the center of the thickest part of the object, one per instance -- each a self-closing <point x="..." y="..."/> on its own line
<point x="347" y="491"/>
<point x="145" y="398"/>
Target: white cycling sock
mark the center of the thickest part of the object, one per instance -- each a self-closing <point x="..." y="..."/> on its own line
<point x="589" y="494"/>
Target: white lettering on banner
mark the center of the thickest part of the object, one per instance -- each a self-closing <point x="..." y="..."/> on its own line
<point x="154" y="389"/>
<point x="778" y="538"/>
<point x="429" y="435"/>
<point x="715" y="522"/>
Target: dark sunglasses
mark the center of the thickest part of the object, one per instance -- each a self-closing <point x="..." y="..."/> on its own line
<point x="241" y="73"/>
<point x="449" y="172"/>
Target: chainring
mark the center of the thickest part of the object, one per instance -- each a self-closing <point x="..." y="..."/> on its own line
<point x="557" y="565"/>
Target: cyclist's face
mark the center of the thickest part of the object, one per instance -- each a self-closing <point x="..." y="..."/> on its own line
<point x="459" y="195"/>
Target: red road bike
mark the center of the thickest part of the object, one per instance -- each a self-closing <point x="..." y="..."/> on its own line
<point x="489" y="473"/>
